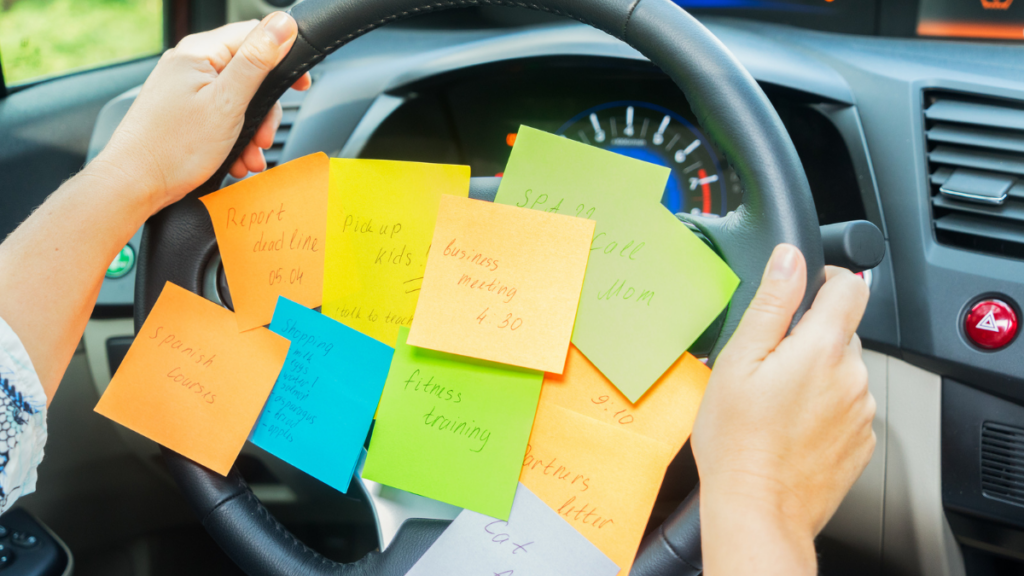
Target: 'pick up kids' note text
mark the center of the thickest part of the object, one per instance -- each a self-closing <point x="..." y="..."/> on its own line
<point x="319" y="412"/>
<point x="271" y="229"/>
<point x="652" y="286"/>
<point x="192" y="382"/>
<point x="533" y="542"/>
<point x="601" y="479"/>
<point x="502" y="284"/>
<point x="380" y="221"/>
<point x="452" y="428"/>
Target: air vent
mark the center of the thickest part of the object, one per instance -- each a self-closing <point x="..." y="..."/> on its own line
<point x="290" y="103"/>
<point x="1002" y="463"/>
<point x="976" y="167"/>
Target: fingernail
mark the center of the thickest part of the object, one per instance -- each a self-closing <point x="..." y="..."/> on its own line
<point x="782" y="266"/>
<point x="280" y="27"/>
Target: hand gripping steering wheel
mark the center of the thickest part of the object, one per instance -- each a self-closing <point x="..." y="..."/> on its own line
<point x="179" y="242"/>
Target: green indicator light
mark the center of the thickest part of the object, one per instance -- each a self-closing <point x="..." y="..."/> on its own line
<point x="122" y="264"/>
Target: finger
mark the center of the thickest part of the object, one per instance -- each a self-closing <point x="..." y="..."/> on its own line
<point x="262" y="49"/>
<point x="238" y="169"/>
<point x="264" y="137"/>
<point x="834" y="271"/>
<point x="837" y="309"/>
<point x="767" y="319"/>
<point x="232" y="35"/>
<point x="252" y="156"/>
<point x="217" y="46"/>
<point x="855" y="348"/>
<point x="303" y="83"/>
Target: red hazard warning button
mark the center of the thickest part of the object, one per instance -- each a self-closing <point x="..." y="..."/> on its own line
<point x="991" y="324"/>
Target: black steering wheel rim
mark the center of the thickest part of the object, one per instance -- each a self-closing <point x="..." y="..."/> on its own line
<point x="179" y="241"/>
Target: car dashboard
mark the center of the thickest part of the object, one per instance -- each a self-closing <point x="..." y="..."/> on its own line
<point x="452" y="90"/>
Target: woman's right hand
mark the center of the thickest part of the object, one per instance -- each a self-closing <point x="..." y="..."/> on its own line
<point x="784" y="429"/>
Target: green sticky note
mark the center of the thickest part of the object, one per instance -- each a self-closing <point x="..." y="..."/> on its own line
<point x="453" y="428"/>
<point x="652" y="287"/>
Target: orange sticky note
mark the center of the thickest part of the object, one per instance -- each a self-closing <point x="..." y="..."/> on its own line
<point x="271" y="229"/>
<point x="665" y="413"/>
<point x="601" y="479"/>
<point x="502" y="283"/>
<point x="192" y="382"/>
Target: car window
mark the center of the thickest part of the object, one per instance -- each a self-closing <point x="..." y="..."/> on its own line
<point x="41" y="38"/>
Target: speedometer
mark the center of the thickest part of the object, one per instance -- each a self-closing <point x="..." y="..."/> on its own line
<point x="698" y="184"/>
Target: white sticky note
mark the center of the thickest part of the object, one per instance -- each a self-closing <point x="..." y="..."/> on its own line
<point x="534" y="541"/>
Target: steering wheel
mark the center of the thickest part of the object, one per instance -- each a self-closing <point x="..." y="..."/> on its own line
<point x="179" y="242"/>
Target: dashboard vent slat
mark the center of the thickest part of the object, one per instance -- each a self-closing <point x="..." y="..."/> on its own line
<point x="1013" y="211"/>
<point x="980" y="159"/>
<point x="1002" y="463"/>
<point x="290" y="103"/>
<point x="975" y="158"/>
<point x="981" y="137"/>
<point x="965" y="111"/>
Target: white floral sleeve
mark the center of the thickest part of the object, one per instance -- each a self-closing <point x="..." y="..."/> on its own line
<point x="22" y="419"/>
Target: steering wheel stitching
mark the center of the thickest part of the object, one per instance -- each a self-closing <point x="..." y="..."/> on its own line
<point x="179" y="241"/>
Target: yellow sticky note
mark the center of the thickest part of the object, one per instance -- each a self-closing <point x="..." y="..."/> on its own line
<point x="380" y="221"/>
<point x="502" y="283"/>
<point x="601" y="479"/>
<point x="271" y="230"/>
<point x="665" y="413"/>
<point x="192" y="382"/>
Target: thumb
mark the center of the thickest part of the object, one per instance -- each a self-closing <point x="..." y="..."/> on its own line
<point x="263" y="48"/>
<point x="770" y="313"/>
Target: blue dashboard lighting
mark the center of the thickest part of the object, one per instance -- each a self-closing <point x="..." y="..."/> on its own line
<point x="672" y="199"/>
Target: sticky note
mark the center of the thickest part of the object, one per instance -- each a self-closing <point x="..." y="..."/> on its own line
<point x="320" y="409"/>
<point x="666" y="413"/>
<point x="192" y="382"/>
<point x="271" y="229"/>
<point x="601" y="479"/>
<point x="534" y="541"/>
<point x="453" y="429"/>
<point x="502" y="284"/>
<point x="652" y="286"/>
<point x="380" y="221"/>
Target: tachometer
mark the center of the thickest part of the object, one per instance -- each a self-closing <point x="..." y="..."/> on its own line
<point x="648" y="132"/>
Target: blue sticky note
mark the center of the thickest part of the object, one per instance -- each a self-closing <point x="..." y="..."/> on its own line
<point x="320" y="409"/>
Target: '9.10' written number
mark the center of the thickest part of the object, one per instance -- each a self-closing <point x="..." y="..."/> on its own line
<point x="627" y="419"/>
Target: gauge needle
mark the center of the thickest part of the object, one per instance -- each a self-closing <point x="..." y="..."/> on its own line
<point x="598" y="132"/>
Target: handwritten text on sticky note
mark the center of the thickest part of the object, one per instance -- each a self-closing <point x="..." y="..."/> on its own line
<point x="502" y="284"/>
<point x="271" y="229"/>
<point x="191" y="381"/>
<point x="319" y="412"/>
<point x="380" y="222"/>
<point x="600" y="478"/>
<point x="666" y="412"/>
<point x="652" y="286"/>
<point x="534" y="541"/>
<point x="452" y="428"/>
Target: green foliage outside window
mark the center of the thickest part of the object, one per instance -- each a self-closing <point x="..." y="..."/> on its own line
<point x="47" y="37"/>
